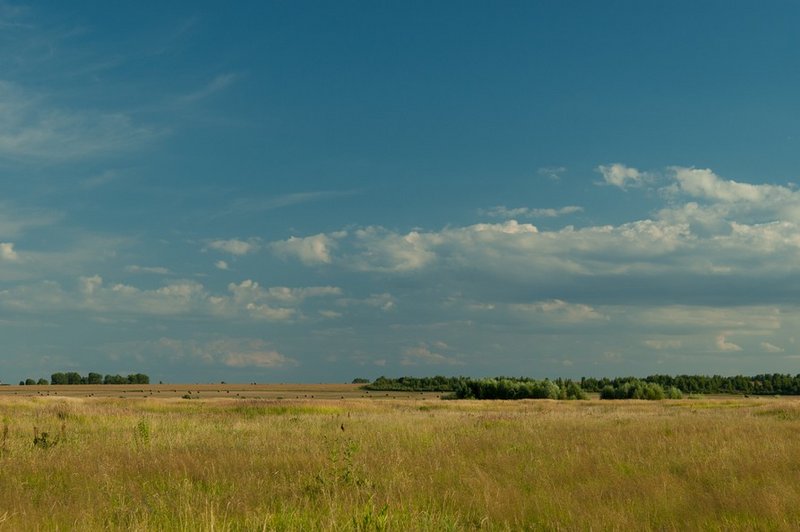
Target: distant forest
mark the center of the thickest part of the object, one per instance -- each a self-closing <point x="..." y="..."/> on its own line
<point x="651" y="387"/>
<point x="72" y="377"/>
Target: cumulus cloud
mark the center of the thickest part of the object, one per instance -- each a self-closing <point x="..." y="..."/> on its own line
<point x="724" y="345"/>
<point x="552" y="173"/>
<point x="560" y="311"/>
<point x="703" y="183"/>
<point x="622" y="176"/>
<point x="258" y="359"/>
<point x="7" y="252"/>
<point x="310" y="250"/>
<point x="235" y="246"/>
<point x="178" y="298"/>
<point x="386" y="251"/>
<point x="160" y="270"/>
<point x="231" y="352"/>
<point x="89" y="285"/>
<point x="277" y="303"/>
<point x="501" y="211"/>
<point x="250" y="291"/>
<point x="422" y="354"/>
<point x="689" y="252"/>
<point x="771" y="348"/>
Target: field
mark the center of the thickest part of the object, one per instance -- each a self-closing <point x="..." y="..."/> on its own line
<point x="331" y="457"/>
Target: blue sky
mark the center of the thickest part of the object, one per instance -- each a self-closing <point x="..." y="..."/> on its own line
<point x="314" y="191"/>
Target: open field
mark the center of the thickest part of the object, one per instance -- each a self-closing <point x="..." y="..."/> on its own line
<point x="160" y="462"/>
<point x="206" y="391"/>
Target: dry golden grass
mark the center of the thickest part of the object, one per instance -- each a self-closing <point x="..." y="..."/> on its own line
<point x="411" y="463"/>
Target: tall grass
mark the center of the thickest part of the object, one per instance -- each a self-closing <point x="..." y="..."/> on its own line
<point x="357" y="464"/>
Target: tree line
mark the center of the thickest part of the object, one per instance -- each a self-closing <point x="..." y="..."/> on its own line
<point x="763" y="384"/>
<point x="488" y="388"/>
<point x="650" y="387"/>
<point x="72" y="377"/>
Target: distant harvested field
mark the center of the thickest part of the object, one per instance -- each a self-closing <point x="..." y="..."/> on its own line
<point x="253" y="391"/>
<point x="126" y="462"/>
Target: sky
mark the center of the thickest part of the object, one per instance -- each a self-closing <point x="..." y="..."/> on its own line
<point x="316" y="191"/>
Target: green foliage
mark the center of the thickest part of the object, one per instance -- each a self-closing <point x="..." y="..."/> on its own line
<point x="92" y="378"/>
<point x="114" y="379"/>
<point x="632" y="388"/>
<point x="361" y="380"/>
<point x="142" y="432"/>
<point x="764" y="384"/>
<point x="488" y="388"/>
<point x="518" y="388"/>
<point x="416" y="384"/>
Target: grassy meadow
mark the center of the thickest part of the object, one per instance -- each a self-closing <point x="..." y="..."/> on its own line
<point x="342" y="461"/>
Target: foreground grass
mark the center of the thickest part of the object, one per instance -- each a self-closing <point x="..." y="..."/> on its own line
<point x="228" y="464"/>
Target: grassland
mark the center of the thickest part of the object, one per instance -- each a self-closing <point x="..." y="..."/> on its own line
<point x="340" y="461"/>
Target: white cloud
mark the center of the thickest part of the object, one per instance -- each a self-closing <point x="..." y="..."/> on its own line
<point x="7" y="251"/>
<point x="231" y="352"/>
<point x="311" y="250"/>
<point x="270" y="313"/>
<point x="686" y="250"/>
<point x="724" y="345"/>
<point x="703" y="183"/>
<point x="771" y="348"/>
<point x="159" y="270"/>
<point x="622" y="176"/>
<point x="385" y="251"/>
<point x="384" y="301"/>
<point x="276" y="303"/>
<point x="663" y="344"/>
<point x="501" y="211"/>
<point x="298" y="295"/>
<point x="422" y="354"/>
<point x="221" y="265"/>
<point x="234" y="246"/>
<point x="186" y="298"/>
<point x="249" y="291"/>
<point x="15" y="221"/>
<point x="89" y="285"/>
<point x="551" y="172"/>
<point x="258" y="359"/>
<point x="751" y="319"/>
<point x="30" y="127"/>
<point x="559" y="311"/>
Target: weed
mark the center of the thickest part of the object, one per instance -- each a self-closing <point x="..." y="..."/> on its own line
<point x="3" y="447"/>
<point x="342" y="472"/>
<point x="141" y="433"/>
<point x="372" y="520"/>
<point x="42" y="440"/>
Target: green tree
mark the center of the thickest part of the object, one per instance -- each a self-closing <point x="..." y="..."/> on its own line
<point x="58" y="378"/>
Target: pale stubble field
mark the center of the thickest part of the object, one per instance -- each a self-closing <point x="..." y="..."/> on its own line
<point x="331" y="457"/>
